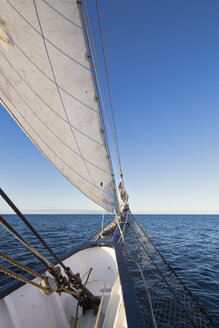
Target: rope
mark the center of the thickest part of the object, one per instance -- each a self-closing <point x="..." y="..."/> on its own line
<point x="143" y="278"/>
<point x="101" y="88"/>
<point x="32" y="283"/>
<point x="21" y="266"/>
<point x="22" y="217"/>
<point x="86" y="298"/>
<point x="99" y="81"/>
<point x="69" y="291"/>
<point x="164" y="278"/>
<point x="101" y="302"/>
<point x="97" y="234"/>
<point x="108" y="80"/>
<point x="7" y="226"/>
<point x="21" y="278"/>
<point x="76" y="313"/>
<point x="101" y="234"/>
<point x="169" y="267"/>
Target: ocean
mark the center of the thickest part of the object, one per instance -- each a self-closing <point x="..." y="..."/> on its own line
<point x="189" y="243"/>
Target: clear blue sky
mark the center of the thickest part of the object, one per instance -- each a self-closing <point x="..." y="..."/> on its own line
<point x="163" y="58"/>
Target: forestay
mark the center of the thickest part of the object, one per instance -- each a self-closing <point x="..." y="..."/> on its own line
<point x="47" y="86"/>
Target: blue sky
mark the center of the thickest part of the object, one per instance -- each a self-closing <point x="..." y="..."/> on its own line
<point x="163" y="59"/>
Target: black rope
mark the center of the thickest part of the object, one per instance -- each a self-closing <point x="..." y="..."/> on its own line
<point x="7" y="226"/>
<point x="20" y="266"/>
<point x="21" y="278"/>
<point x="86" y="299"/>
<point x="53" y="271"/>
<point x="22" y="217"/>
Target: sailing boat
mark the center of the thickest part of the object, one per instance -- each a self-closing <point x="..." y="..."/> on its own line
<point x="50" y="85"/>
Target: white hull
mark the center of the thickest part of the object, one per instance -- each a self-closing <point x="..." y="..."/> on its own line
<point x="27" y="307"/>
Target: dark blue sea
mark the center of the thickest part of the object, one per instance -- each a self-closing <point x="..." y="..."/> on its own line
<point x="190" y="244"/>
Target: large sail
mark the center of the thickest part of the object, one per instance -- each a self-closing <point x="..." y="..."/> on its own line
<point x="46" y="85"/>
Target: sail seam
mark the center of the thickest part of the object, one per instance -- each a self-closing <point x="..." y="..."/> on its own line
<point x="50" y="42"/>
<point x="58" y="12"/>
<point x="62" y="102"/>
<point x="39" y="80"/>
<point x="49" y="127"/>
<point x="14" y="117"/>
<point x="61" y="88"/>
<point x="45" y="103"/>
<point x="43" y="141"/>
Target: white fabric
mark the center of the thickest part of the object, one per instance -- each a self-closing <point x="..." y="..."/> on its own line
<point x="123" y="196"/>
<point x="46" y="85"/>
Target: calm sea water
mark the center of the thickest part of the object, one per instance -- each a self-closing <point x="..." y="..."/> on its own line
<point x="190" y="244"/>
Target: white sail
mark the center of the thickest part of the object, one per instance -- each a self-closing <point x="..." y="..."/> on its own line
<point x="46" y="85"/>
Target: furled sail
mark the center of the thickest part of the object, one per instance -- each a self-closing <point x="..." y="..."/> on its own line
<point x="46" y="85"/>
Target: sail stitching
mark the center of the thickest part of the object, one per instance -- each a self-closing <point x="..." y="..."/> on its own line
<point x="106" y="201"/>
<point x="50" y="42"/>
<point x="48" y="145"/>
<point x="45" y="103"/>
<point x="58" y="12"/>
<point x="62" y="102"/>
<point x="102" y="191"/>
<point x="49" y="127"/>
<point x="45" y="142"/>
<point x="51" y="80"/>
<point x="17" y="54"/>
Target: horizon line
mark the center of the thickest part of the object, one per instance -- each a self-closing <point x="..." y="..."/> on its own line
<point x="94" y="212"/>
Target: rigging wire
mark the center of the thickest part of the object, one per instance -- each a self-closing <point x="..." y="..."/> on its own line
<point x="100" y="85"/>
<point x="97" y="76"/>
<point x="111" y="127"/>
<point x="98" y="92"/>
<point x="108" y="80"/>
